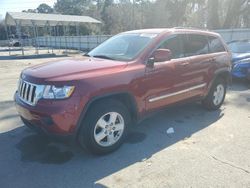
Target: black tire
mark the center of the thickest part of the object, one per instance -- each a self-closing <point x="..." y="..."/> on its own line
<point x="16" y="44"/>
<point x="209" y="102"/>
<point x="86" y="134"/>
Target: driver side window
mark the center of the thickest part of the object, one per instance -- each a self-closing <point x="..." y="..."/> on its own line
<point x="175" y="45"/>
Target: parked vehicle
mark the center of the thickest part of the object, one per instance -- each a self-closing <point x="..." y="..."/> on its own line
<point x="240" y="58"/>
<point x="97" y="98"/>
<point x="14" y="40"/>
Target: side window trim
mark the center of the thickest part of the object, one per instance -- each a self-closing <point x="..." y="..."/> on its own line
<point x="221" y="43"/>
<point x="209" y="46"/>
<point x="188" y="40"/>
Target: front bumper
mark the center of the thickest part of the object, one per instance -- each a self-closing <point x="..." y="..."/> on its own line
<point x="248" y="74"/>
<point x="52" y="117"/>
<point x="241" y="70"/>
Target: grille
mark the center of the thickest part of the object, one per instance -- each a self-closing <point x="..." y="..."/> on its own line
<point x="28" y="92"/>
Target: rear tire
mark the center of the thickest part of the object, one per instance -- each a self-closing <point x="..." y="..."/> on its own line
<point x="216" y="95"/>
<point x="105" y="127"/>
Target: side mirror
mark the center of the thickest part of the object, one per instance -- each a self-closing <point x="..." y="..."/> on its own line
<point x="160" y="55"/>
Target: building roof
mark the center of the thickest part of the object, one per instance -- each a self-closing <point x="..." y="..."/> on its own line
<point x="27" y="19"/>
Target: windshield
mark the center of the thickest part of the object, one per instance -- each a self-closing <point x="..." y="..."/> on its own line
<point x="122" y="47"/>
<point x="239" y="47"/>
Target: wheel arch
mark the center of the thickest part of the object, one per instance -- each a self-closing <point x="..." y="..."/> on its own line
<point x="125" y="98"/>
<point x="223" y="73"/>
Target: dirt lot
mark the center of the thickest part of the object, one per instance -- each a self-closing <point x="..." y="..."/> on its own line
<point x="207" y="149"/>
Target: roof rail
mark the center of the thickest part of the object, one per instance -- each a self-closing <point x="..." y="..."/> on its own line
<point x="194" y="28"/>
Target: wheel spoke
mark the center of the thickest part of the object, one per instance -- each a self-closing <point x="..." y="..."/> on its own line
<point x="101" y="135"/>
<point x="111" y="138"/>
<point x="101" y="123"/>
<point x="216" y="101"/>
<point x="119" y="126"/>
<point x="218" y="94"/>
<point x="215" y="94"/>
<point x="112" y="118"/>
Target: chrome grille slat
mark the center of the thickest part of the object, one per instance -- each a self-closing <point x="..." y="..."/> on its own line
<point x="33" y="94"/>
<point x="19" y="85"/>
<point x="24" y="88"/>
<point x="21" y="91"/>
<point x="29" y="93"/>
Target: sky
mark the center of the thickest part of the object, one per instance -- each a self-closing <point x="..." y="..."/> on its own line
<point x="19" y="5"/>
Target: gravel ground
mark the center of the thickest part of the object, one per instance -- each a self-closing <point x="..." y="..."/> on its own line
<point x="207" y="149"/>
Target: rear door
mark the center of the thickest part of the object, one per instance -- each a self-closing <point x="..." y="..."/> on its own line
<point x="221" y="57"/>
<point x="193" y="73"/>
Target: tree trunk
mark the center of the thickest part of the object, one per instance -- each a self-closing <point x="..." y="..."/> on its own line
<point x="213" y="21"/>
<point x="233" y="14"/>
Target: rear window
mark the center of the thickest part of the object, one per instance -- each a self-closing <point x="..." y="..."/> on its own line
<point x="196" y="45"/>
<point x="215" y="45"/>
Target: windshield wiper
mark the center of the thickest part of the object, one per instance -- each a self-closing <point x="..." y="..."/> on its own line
<point x="103" y="57"/>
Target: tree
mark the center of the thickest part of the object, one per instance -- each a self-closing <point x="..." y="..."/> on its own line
<point x="213" y="20"/>
<point x="122" y="15"/>
<point x="72" y="7"/>
<point x="106" y="18"/>
<point x="246" y="15"/>
<point x="44" y="8"/>
<point x="234" y="12"/>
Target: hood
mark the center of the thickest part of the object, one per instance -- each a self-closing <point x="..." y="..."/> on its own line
<point x="239" y="56"/>
<point x="72" y="69"/>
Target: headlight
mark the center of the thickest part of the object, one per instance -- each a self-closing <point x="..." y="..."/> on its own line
<point x="53" y="92"/>
<point x="236" y="66"/>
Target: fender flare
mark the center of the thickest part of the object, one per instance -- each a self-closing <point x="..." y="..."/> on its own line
<point x="223" y="72"/>
<point x="100" y="97"/>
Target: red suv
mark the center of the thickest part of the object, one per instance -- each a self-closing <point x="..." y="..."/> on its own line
<point x="96" y="98"/>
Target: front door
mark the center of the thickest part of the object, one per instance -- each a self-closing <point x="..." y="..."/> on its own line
<point x="161" y="78"/>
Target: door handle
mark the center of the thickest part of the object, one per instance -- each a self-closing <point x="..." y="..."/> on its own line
<point x="211" y="60"/>
<point x="185" y="64"/>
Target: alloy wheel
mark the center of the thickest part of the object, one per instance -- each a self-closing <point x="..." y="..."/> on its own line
<point x="109" y="129"/>
<point x="218" y="94"/>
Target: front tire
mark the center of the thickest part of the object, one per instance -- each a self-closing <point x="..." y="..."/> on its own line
<point x="216" y="95"/>
<point x="105" y="127"/>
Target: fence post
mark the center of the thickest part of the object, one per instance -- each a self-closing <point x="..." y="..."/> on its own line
<point x="7" y="35"/>
<point x="50" y="41"/>
<point x="88" y="42"/>
<point x="35" y="37"/>
<point x="78" y="34"/>
<point x="18" y="30"/>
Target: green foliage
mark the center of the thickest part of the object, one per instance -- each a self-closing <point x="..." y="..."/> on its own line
<point x="44" y="8"/>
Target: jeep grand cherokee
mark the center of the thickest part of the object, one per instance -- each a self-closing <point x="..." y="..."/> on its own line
<point x="96" y="98"/>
